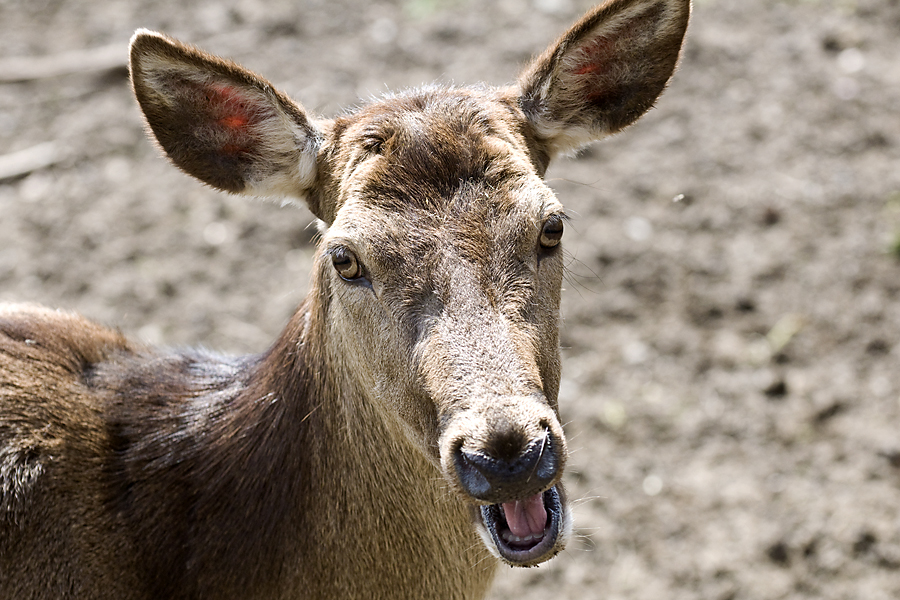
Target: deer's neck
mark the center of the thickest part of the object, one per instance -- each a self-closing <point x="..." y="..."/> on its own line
<point x="369" y="510"/>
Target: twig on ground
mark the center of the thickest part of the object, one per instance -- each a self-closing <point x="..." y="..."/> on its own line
<point x="31" y="159"/>
<point x="28" y="68"/>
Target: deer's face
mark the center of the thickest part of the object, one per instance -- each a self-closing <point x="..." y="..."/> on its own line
<point x="445" y="265"/>
<point x="442" y="260"/>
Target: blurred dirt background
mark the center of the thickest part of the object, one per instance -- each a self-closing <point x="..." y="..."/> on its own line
<point x="731" y="317"/>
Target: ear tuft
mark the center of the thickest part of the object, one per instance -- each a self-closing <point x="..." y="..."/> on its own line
<point x="605" y="72"/>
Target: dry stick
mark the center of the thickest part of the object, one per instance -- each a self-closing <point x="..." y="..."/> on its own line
<point x="28" y="68"/>
<point x="31" y="159"/>
<point x="72" y="62"/>
<point x="102" y="58"/>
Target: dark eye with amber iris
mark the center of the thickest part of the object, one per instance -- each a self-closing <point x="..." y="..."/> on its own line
<point x="552" y="231"/>
<point x="346" y="264"/>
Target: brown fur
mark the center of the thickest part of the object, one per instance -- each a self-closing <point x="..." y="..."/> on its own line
<point x="339" y="463"/>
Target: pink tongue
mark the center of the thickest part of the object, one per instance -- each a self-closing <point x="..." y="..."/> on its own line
<point x="526" y="517"/>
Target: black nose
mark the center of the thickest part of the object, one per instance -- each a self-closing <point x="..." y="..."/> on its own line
<point x="507" y="470"/>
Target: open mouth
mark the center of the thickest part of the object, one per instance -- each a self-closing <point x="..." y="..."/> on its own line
<point x="526" y="532"/>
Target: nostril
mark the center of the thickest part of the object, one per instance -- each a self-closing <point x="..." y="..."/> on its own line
<point x="546" y="462"/>
<point x="531" y="469"/>
<point x="471" y="477"/>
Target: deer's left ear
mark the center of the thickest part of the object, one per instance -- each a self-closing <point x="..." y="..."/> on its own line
<point x="603" y="73"/>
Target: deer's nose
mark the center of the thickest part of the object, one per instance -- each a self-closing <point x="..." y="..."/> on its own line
<point x="509" y="467"/>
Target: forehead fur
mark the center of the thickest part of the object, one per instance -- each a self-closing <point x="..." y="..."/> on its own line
<point x="432" y="142"/>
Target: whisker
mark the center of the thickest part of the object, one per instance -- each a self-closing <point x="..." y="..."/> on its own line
<point x="544" y="442"/>
<point x="586" y="499"/>
<point x="594" y="186"/>
<point x="579" y="280"/>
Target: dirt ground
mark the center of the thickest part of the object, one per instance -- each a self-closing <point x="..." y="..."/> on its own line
<point x="732" y="312"/>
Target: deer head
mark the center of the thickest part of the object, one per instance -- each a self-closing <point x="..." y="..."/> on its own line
<point x="440" y="262"/>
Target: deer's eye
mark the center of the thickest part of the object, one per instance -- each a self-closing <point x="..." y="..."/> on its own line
<point x="552" y="231"/>
<point x="346" y="264"/>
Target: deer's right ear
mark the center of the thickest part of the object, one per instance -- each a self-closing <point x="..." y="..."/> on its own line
<point x="223" y="124"/>
<point x="603" y="73"/>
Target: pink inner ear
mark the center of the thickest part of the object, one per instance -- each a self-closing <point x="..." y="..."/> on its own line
<point x="607" y="55"/>
<point x="228" y="106"/>
<point x="597" y="70"/>
<point x="594" y="56"/>
<point x="234" y="113"/>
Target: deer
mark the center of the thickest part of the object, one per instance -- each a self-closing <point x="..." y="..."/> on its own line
<point x="401" y="438"/>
